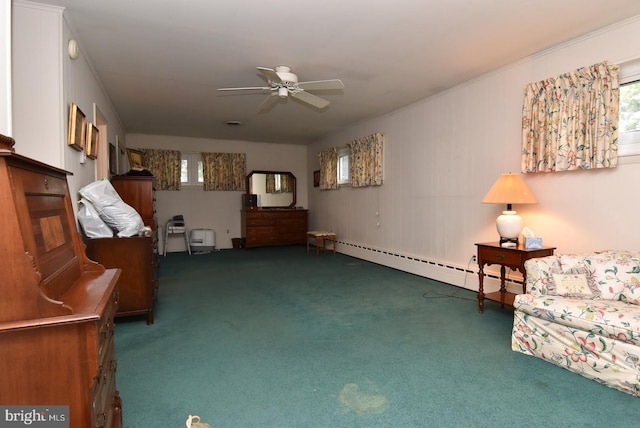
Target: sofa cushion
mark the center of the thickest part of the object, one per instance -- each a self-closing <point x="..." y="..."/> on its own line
<point x="612" y="272"/>
<point x="572" y="284"/>
<point x="571" y="278"/>
<point x="609" y="318"/>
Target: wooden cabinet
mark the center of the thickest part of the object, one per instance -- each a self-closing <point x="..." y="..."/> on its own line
<point x="266" y="227"/>
<point x="57" y="309"/>
<point x="137" y="285"/>
<point x="138" y="191"/>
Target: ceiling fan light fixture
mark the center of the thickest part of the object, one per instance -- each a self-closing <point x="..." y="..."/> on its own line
<point x="282" y="84"/>
<point x="285" y="74"/>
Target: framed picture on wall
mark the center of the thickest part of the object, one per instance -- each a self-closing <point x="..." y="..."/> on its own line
<point x="113" y="159"/>
<point x="316" y="178"/>
<point x="92" y="141"/>
<point x="136" y="159"/>
<point x="77" y="128"/>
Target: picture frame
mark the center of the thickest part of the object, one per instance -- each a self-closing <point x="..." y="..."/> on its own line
<point x="316" y="178"/>
<point x="136" y="159"/>
<point x="77" y="129"/>
<point x="113" y="159"/>
<point x="92" y="141"/>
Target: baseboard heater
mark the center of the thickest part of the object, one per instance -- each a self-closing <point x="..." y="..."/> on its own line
<point x="489" y="276"/>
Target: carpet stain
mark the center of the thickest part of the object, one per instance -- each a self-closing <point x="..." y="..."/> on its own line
<point x="363" y="401"/>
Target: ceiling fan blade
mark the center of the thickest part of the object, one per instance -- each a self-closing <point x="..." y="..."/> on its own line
<point x="321" y="84"/>
<point x="269" y="102"/>
<point x="270" y="74"/>
<point x="249" y="88"/>
<point x="310" y="99"/>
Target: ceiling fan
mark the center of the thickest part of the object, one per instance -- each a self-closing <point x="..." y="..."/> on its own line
<point x="282" y="83"/>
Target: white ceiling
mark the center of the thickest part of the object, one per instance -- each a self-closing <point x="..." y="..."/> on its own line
<point x="161" y="61"/>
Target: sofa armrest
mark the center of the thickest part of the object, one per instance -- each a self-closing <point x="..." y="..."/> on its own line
<point x="539" y="272"/>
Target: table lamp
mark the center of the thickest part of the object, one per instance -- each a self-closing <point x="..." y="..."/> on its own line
<point x="509" y="189"/>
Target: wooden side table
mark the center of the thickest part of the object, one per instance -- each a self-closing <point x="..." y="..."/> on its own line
<point x="514" y="257"/>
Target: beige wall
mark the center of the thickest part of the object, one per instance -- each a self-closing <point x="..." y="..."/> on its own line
<point x="5" y="68"/>
<point x="45" y="82"/>
<point x="442" y="155"/>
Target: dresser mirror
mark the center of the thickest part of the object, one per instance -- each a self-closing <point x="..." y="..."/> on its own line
<point x="275" y="189"/>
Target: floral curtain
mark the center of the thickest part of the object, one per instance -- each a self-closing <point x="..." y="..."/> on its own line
<point x="365" y="161"/>
<point x="286" y="184"/>
<point x="571" y="121"/>
<point x="165" y="166"/>
<point x="224" y="171"/>
<point x="270" y="183"/>
<point x="328" y="168"/>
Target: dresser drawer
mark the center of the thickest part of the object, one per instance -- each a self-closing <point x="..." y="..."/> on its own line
<point x="293" y="215"/>
<point x="294" y="224"/>
<point x="106" y="325"/>
<point x="262" y="233"/>
<point x="36" y="183"/>
<point x="103" y="392"/>
<point x="261" y="222"/>
<point x="504" y="257"/>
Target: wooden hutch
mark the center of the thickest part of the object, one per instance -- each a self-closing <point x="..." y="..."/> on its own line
<point x="56" y="314"/>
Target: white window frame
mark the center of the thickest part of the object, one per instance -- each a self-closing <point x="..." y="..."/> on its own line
<point x="629" y="72"/>
<point x="344" y="178"/>
<point x="194" y="170"/>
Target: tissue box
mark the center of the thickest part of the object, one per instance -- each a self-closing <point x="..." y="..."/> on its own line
<point x="533" y="243"/>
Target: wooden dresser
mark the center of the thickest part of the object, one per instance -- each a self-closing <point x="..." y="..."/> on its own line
<point x="266" y="227"/>
<point x="137" y="256"/>
<point x="56" y="314"/>
<point x="137" y="286"/>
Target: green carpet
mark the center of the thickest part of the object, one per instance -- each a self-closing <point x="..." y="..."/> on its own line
<point x="275" y="337"/>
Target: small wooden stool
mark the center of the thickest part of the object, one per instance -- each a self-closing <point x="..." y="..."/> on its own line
<point x="321" y="239"/>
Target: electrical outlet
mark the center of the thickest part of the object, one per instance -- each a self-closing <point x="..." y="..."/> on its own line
<point x="474" y="259"/>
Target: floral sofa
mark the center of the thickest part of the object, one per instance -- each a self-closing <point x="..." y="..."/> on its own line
<point x="582" y="313"/>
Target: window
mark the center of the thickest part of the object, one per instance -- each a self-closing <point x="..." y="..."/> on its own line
<point x="191" y="170"/>
<point x="343" y="166"/>
<point x="629" y="129"/>
<point x="278" y="183"/>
